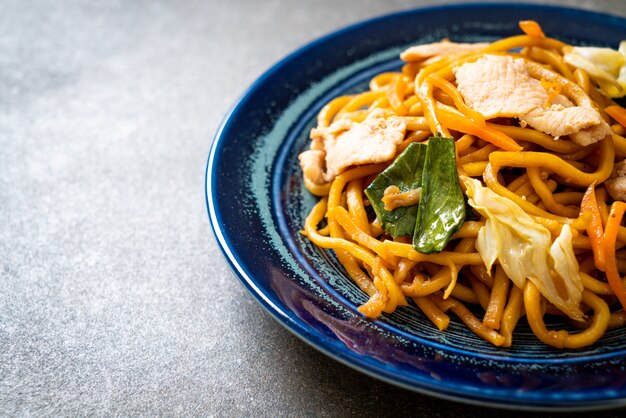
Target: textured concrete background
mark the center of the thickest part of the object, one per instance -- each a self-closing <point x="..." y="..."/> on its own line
<point x="114" y="298"/>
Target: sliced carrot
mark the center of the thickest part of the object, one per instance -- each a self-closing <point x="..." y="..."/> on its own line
<point x="457" y="121"/>
<point x="610" y="237"/>
<point x="553" y="89"/>
<point x="531" y="28"/>
<point x="618" y="113"/>
<point x="448" y="88"/>
<point x="594" y="229"/>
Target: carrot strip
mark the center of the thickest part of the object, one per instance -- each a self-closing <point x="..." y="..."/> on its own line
<point x="531" y="28"/>
<point x="448" y="88"/>
<point x="458" y="122"/>
<point x="610" y="237"/>
<point x="553" y="89"/>
<point x="618" y="113"/>
<point x="594" y="229"/>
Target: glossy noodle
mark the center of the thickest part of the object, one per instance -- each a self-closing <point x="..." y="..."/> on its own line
<point x="530" y="226"/>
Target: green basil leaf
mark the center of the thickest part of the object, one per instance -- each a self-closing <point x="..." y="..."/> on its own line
<point x="406" y="174"/>
<point x="442" y="206"/>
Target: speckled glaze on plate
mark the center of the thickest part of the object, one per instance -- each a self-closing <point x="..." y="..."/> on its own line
<point x="257" y="205"/>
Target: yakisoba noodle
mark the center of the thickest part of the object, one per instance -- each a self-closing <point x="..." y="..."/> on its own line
<point x="556" y="181"/>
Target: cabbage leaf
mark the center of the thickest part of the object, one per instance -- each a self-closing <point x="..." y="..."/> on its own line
<point x="524" y="249"/>
<point x="605" y="65"/>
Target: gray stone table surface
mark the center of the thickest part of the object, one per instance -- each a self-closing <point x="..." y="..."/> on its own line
<point x="114" y="297"/>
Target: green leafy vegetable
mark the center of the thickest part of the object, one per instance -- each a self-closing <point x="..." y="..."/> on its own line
<point x="406" y="174"/>
<point x="442" y="206"/>
<point x="441" y="210"/>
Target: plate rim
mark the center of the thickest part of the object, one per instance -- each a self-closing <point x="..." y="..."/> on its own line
<point x="304" y="332"/>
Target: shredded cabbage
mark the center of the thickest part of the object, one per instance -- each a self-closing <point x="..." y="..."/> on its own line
<point x="524" y="249"/>
<point x="605" y="65"/>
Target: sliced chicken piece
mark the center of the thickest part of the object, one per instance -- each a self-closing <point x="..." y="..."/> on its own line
<point x="576" y="121"/>
<point x="616" y="185"/>
<point x="421" y="52"/>
<point x="347" y="143"/>
<point x="592" y="134"/>
<point x="313" y="163"/>
<point x="501" y="86"/>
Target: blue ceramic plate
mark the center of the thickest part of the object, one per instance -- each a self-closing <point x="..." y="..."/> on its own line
<point x="257" y="204"/>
